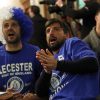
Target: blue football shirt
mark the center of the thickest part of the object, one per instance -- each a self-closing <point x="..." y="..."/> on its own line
<point x="19" y="70"/>
<point x="67" y="86"/>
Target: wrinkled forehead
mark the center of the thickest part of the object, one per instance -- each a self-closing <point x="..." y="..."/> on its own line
<point x="55" y="24"/>
<point x="10" y="21"/>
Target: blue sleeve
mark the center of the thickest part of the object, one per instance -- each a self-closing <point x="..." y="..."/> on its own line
<point x="80" y="49"/>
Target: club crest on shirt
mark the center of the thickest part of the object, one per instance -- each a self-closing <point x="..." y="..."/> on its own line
<point x="55" y="81"/>
<point x="15" y="83"/>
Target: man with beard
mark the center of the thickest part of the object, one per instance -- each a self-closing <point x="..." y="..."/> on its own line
<point x="19" y="68"/>
<point x="71" y="72"/>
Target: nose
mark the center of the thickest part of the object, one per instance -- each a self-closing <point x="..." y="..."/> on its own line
<point x="51" y="31"/>
<point x="10" y="27"/>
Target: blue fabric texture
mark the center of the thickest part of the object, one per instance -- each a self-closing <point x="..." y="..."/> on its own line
<point x="24" y="22"/>
<point x="67" y="86"/>
<point x="19" y="70"/>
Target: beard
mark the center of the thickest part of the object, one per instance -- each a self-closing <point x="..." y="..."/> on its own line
<point x="56" y="46"/>
<point x="13" y="41"/>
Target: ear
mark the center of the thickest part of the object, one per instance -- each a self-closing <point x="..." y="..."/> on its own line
<point x="96" y="18"/>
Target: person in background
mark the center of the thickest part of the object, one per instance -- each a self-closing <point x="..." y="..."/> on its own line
<point x="19" y="68"/>
<point x="71" y="72"/>
<point x="87" y="14"/>
<point x="93" y="39"/>
<point x="0" y="43"/>
<point x="38" y="37"/>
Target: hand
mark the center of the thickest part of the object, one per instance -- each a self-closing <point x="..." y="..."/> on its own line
<point x="30" y="96"/>
<point x="10" y="90"/>
<point x="6" y="96"/>
<point x="59" y="3"/>
<point x="47" y="60"/>
<point x="16" y="96"/>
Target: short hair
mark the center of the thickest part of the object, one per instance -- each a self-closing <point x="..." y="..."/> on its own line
<point x="24" y="21"/>
<point x="98" y="10"/>
<point x="35" y="9"/>
<point x="62" y="24"/>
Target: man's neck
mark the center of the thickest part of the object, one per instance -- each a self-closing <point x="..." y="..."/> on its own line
<point x="55" y="52"/>
<point x="13" y="47"/>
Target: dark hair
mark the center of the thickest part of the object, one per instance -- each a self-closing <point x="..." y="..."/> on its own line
<point x="98" y="10"/>
<point x="62" y="24"/>
<point x="35" y="9"/>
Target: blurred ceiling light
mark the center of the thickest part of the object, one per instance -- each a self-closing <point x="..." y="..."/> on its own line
<point x="5" y="3"/>
<point x="34" y="2"/>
